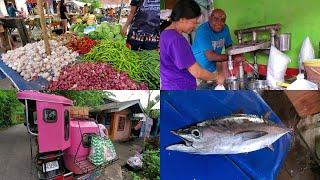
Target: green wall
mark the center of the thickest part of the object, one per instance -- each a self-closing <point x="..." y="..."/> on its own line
<point x="162" y="3"/>
<point x="301" y="18"/>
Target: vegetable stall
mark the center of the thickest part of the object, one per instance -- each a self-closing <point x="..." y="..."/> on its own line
<point x="88" y="57"/>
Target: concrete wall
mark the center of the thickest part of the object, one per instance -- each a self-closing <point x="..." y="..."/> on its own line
<point x="299" y="17"/>
<point x="121" y="135"/>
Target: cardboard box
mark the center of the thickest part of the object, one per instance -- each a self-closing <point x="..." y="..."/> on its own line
<point x="79" y="111"/>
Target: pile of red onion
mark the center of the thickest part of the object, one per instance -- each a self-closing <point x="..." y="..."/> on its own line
<point x="91" y="76"/>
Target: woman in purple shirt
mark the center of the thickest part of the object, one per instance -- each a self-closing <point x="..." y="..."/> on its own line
<point x="178" y="67"/>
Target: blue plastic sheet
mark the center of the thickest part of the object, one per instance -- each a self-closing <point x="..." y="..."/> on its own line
<point x="18" y="80"/>
<point x="182" y="108"/>
<point x="2" y="76"/>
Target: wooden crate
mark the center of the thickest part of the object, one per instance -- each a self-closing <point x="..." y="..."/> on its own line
<point x="305" y="102"/>
<point x="79" y="111"/>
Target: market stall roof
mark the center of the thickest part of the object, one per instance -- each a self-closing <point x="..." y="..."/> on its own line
<point x="78" y="3"/>
<point x="81" y="4"/>
<point x="38" y="96"/>
<point x="31" y="1"/>
<point x="3" y="8"/>
<point x="114" y="2"/>
<point x="134" y="105"/>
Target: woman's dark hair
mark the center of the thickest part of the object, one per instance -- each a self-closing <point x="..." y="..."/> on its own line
<point x="188" y="9"/>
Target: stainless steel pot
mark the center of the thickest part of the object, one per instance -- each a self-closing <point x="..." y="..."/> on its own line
<point x="284" y="42"/>
<point x="258" y="85"/>
<point x="233" y="84"/>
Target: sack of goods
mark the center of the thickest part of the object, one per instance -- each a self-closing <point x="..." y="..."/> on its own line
<point x="102" y="151"/>
<point x="277" y="66"/>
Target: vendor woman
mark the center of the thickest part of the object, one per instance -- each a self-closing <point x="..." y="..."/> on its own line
<point x="143" y="24"/>
<point x="178" y="66"/>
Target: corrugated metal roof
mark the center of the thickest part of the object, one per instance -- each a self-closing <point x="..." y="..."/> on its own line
<point x="134" y="105"/>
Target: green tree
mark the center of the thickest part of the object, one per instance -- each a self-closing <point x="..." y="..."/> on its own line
<point x="94" y="4"/>
<point x="9" y="106"/>
<point x="151" y="164"/>
<point x="86" y="98"/>
<point x="152" y="113"/>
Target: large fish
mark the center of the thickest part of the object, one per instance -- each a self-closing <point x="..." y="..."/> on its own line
<point x="234" y="134"/>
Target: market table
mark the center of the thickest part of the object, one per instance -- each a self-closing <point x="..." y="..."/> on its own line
<point x="18" y="82"/>
<point x="11" y="23"/>
<point x="182" y="108"/>
<point x="52" y="21"/>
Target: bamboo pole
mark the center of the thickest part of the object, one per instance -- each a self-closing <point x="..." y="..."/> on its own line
<point x="43" y="27"/>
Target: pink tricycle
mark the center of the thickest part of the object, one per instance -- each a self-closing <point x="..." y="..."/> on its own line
<point x="63" y="143"/>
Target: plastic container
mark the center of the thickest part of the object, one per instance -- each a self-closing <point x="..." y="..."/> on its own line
<point x="182" y="108"/>
<point x="284" y="42"/>
<point x="312" y="68"/>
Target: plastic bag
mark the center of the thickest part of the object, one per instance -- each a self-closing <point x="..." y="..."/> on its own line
<point x="219" y="87"/>
<point x="102" y="151"/>
<point x="302" y="84"/>
<point x="306" y="52"/>
<point x="277" y="66"/>
<point x="136" y="161"/>
<point x="109" y="151"/>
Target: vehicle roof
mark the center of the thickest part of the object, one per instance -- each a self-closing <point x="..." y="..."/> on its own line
<point x="44" y="97"/>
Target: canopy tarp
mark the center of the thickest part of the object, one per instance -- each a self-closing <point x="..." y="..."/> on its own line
<point x="32" y="1"/>
<point x="77" y="3"/>
<point x="81" y="4"/>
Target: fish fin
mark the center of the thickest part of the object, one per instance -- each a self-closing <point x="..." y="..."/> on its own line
<point x="266" y="116"/>
<point x="248" y="135"/>
<point x="174" y="132"/>
<point x="271" y="147"/>
<point x="238" y="111"/>
<point x="201" y="124"/>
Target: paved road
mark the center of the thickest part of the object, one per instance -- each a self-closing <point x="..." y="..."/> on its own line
<point x="15" y="154"/>
<point x="15" y="163"/>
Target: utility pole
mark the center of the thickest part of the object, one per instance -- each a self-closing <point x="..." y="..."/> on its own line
<point x="43" y="27"/>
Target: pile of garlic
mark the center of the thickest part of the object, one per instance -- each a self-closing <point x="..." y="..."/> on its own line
<point x="64" y="39"/>
<point x="31" y="60"/>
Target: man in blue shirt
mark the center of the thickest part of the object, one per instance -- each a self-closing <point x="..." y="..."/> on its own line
<point x="12" y="10"/>
<point x="206" y="8"/>
<point x="210" y="39"/>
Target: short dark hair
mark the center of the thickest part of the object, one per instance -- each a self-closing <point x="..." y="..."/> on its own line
<point x="188" y="9"/>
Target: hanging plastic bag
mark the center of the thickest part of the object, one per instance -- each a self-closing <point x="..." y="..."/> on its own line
<point x="109" y="151"/>
<point x="102" y="151"/>
<point x="277" y="66"/>
<point x="306" y="52"/>
<point x="136" y="161"/>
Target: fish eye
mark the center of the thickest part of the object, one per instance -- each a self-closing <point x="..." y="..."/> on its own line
<point x="195" y="133"/>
